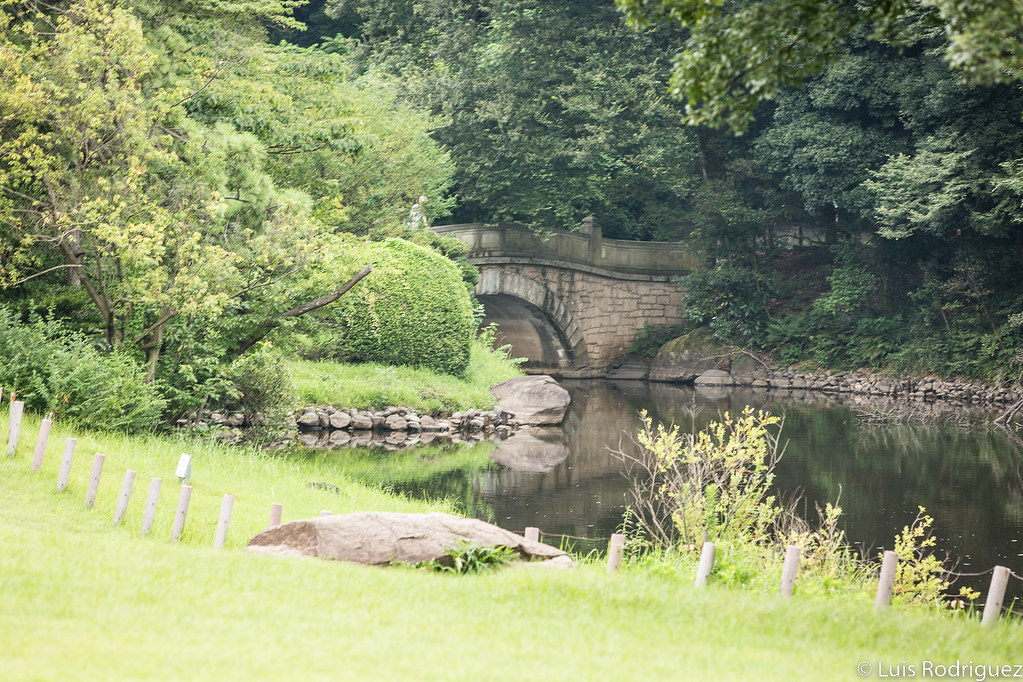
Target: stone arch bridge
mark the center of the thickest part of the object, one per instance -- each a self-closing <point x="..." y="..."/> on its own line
<point x="573" y="302"/>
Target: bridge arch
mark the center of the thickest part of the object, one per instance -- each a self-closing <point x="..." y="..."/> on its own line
<point x="543" y="312"/>
<point x="582" y="295"/>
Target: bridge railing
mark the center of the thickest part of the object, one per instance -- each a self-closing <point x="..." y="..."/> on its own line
<point x="584" y="250"/>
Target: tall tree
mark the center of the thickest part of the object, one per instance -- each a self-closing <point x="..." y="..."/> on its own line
<point x="738" y="54"/>
<point x="191" y="178"/>
<point x="551" y="110"/>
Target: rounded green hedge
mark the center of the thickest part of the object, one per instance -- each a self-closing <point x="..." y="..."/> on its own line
<point x="412" y="310"/>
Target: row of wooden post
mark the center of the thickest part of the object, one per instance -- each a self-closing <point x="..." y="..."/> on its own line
<point x="790" y="569"/>
<point x="92" y="490"/>
<point x="616" y="547"/>
<point x="127" y="485"/>
<point x="995" y="594"/>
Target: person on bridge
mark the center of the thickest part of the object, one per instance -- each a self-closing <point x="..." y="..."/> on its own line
<point x="417" y="214"/>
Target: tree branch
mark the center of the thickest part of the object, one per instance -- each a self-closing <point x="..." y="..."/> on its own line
<point x="206" y="85"/>
<point x="167" y="315"/>
<point x="40" y="274"/>
<point x="307" y="307"/>
<point x="329" y="298"/>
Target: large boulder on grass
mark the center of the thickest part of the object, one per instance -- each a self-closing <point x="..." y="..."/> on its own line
<point x="536" y="399"/>
<point x="381" y="538"/>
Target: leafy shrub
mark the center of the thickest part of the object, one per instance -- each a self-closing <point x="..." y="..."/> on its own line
<point x="919" y="576"/>
<point x="264" y="392"/>
<point x="851" y="282"/>
<point x="413" y="310"/>
<point x="55" y="370"/>
<point x="791" y="337"/>
<point x="467" y="558"/>
<point x="825" y="551"/>
<point x="195" y="377"/>
<point x="840" y="344"/>
<point x="730" y="301"/>
<point x="713" y="483"/>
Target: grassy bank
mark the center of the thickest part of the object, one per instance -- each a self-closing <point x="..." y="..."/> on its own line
<point x="255" y="477"/>
<point x="372" y="385"/>
<point x="80" y="599"/>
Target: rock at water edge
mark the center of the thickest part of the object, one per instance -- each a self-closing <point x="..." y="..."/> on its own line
<point x="537" y="399"/>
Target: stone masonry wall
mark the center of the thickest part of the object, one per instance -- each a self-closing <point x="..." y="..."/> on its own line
<point x="600" y="316"/>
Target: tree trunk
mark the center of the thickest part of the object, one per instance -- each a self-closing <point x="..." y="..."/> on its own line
<point x="101" y="301"/>
<point x="156" y="345"/>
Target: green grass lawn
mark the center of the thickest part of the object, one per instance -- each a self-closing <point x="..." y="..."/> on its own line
<point x="81" y="600"/>
<point x="373" y="385"/>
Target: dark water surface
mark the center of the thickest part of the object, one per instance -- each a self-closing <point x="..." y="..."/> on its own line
<point x="969" y="479"/>
<point x="566" y="481"/>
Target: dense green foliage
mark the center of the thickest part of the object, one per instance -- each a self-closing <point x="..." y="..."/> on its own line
<point x="56" y="370"/>
<point x="904" y="180"/>
<point x="551" y="111"/>
<point x="175" y="187"/>
<point x="414" y="310"/>
<point x="730" y="301"/>
<point x="738" y="54"/>
<point x="264" y="391"/>
<point x="918" y="170"/>
<point x="177" y="182"/>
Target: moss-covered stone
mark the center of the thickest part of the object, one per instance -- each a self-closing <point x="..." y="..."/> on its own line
<point x="684" y="358"/>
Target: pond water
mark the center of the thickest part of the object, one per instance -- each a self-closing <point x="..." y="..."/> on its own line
<point x="566" y="480"/>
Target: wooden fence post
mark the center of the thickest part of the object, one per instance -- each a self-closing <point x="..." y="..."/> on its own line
<point x="44" y="435"/>
<point x="995" y="596"/>
<point x="886" y="583"/>
<point x="122" y="501"/>
<point x="532" y="533"/>
<point x="97" y="470"/>
<point x="790" y="570"/>
<point x="65" y="464"/>
<point x="615" y="549"/>
<point x="706" y="563"/>
<point x="151" y="501"/>
<point x="179" y="516"/>
<point x="275" y="514"/>
<point x="224" y="522"/>
<point x="16" y="413"/>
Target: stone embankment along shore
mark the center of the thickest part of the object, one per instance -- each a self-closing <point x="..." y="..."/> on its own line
<point x="402" y="419"/>
<point x="860" y="382"/>
<point x="392" y="428"/>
